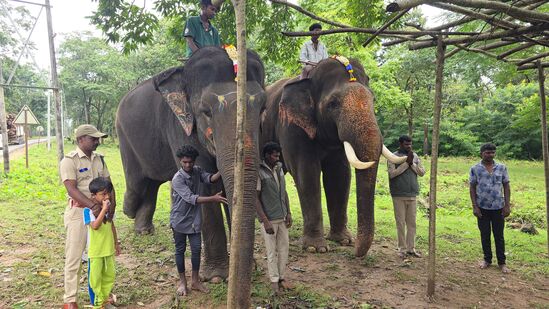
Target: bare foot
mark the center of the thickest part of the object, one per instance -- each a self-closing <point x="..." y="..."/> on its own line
<point x="402" y="254"/>
<point x="275" y="288"/>
<point x="484" y="265"/>
<point x="182" y="289"/>
<point x="283" y="284"/>
<point x="198" y="286"/>
<point x="504" y="269"/>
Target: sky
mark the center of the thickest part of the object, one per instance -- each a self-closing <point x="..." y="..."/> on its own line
<point x="70" y="16"/>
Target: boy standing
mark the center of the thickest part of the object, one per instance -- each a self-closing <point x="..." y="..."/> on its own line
<point x="103" y="244"/>
<point x="186" y="214"/>
<point x="491" y="195"/>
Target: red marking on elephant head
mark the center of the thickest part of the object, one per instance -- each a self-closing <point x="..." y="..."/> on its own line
<point x="248" y="161"/>
<point x="248" y="143"/>
<point x="208" y="133"/>
<point x="287" y="116"/>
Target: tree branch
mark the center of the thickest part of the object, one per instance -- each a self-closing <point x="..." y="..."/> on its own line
<point x="518" y="13"/>
<point x="311" y="15"/>
<point x="536" y="57"/>
<point x="484" y="36"/>
<point x="372" y="31"/>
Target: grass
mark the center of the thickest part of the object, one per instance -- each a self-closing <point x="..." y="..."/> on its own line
<point x="32" y="203"/>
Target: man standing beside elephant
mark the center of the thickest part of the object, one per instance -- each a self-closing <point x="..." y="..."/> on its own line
<point x="404" y="189"/>
<point x="77" y="169"/>
<point x="273" y="210"/>
<point x="199" y="31"/>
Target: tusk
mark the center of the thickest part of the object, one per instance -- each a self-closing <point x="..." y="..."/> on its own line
<point x="391" y="157"/>
<point x="353" y="160"/>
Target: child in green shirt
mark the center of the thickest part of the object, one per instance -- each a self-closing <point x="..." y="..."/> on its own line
<point x="102" y="244"/>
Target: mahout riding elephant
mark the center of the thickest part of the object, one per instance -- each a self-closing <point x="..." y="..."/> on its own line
<point x="325" y="124"/>
<point x="193" y="104"/>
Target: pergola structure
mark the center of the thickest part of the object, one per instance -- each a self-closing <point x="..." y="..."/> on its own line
<point x="509" y="27"/>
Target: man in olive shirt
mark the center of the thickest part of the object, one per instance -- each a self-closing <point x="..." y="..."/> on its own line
<point x="199" y="31"/>
<point x="404" y="190"/>
<point x="273" y="210"/>
<point x="77" y="169"/>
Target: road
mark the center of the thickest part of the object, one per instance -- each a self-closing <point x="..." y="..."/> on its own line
<point x="13" y="148"/>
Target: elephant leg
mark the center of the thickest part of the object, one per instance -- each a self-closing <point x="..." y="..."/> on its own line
<point x="216" y="259"/>
<point x="143" y="218"/>
<point x="308" y="187"/>
<point x="336" y="177"/>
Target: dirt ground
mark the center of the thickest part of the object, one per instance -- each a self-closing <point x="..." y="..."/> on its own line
<point x="383" y="280"/>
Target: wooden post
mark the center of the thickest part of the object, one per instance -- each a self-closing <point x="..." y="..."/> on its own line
<point x="3" y="124"/>
<point x="434" y="158"/>
<point x="26" y="126"/>
<point x="55" y="86"/>
<point x="241" y="259"/>
<point x="545" y="151"/>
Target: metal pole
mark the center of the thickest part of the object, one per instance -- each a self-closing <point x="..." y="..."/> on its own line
<point x="26" y="139"/>
<point x="4" y="125"/>
<point x="545" y="151"/>
<point x="55" y="85"/>
<point x="49" y="119"/>
<point x="434" y="160"/>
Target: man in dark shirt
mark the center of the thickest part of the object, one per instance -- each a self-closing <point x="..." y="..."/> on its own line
<point x="186" y="215"/>
<point x="404" y="190"/>
<point x="199" y="31"/>
<point x="273" y="211"/>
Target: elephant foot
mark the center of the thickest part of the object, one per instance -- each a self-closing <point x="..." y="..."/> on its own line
<point x="144" y="229"/>
<point x="214" y="275"/>
<point x="315" y="244"/>
<point x="344" y="237"/>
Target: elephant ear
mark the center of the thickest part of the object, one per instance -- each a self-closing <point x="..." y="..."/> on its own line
<point x="297" y="106"/>
<point x="171" y="85"/>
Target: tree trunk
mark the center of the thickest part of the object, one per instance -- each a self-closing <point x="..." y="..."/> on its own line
<point x="242" y="232"/>
<point x="545" y="151"/>
<point x="434" y="160"/>
<point x="425" y="139"/>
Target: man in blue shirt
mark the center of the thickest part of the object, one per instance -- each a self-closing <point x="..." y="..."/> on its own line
<point x="490" y="204"/>
<point x="186" y="214"/>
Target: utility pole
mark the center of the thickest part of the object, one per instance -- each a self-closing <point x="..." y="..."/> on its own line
<point x="3" y="124"/>
<point x="55" y="86"/>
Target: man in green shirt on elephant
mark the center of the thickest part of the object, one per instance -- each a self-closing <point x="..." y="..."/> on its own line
<point x="199" y="31"/>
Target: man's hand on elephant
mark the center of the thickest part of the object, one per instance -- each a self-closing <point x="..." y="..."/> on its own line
<point x="268" y="227"/>
<point x="219" y="198"/>
<point x="288" y="221"/>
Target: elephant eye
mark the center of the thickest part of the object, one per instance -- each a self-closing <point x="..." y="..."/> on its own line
<point x="208" y="113"/>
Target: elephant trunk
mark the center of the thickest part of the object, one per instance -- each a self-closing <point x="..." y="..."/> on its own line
<point x="358" y="129"/>
<point x="225" y="162"/>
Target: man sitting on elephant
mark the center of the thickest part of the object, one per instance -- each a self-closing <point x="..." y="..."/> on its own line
<point x="199" y="31"/>
<point x="312" y="52"/>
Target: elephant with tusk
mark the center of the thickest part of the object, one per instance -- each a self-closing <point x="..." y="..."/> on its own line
<point x="326" y="125"/>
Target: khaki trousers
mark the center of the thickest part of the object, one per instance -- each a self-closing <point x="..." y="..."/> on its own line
<point x="405" y="217"/>
<point x="75" y="243"/>
<point x="277" y="246"/>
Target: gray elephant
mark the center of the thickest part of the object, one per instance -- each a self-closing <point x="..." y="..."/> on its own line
<point x="325" y="124"/>
<point x="196" y="105"/>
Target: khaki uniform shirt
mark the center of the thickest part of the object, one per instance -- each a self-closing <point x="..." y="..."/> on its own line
<point x="77" y="166"/>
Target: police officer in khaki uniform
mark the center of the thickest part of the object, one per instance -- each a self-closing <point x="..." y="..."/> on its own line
<point x="77" y="169"/>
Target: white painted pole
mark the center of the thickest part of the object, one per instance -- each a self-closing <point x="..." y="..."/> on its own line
<point x="49" y="119"/>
